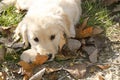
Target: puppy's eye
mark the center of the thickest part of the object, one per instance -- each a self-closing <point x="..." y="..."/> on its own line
<point x="36" y="39"/>
<point x="52" y="37"/>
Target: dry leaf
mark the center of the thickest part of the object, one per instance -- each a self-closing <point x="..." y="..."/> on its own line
<point x="86" y="32"/>
<point x="3" y="75"/>
<point x="89" y="49"/>
<point x="6" y="31"/>
<point x="27" y="69"/>
<point x="84" y="24"/>
<point x="97" y="30"/>
<point x="77" y="70"/>
<point x="93" y="56"/>
<point x="116" y="9"/>
<point x="92" y="69"/>
<point x="82" y="31"/>
<point x="38" y="75"/>
<point x="106" y="66"/>
<point x="26" y="77"/>
<point x="109" y="2"/>
<point x="100" y="77"/>
<point x="2" y="52"/>
<point x="37" y="59"/>
<point x="26" y="66"/>
<point x="60" y="57"/>
<point x="40" y="59"/>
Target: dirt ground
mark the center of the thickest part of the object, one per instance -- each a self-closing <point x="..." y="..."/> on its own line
<point x="110" y="55"/>
<point x="107" y="66"/>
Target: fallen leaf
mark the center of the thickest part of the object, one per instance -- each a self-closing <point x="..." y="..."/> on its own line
<point x="87" y="32"/>
<point x="84" y="24"/>
<point x="27" y="69"/>
<point x="109" y="2"/>
<point x="26" y="66"/>
<point x="100" y="77"/>
<point x="40" y="59"/>
<point x="58" y="75"/>
<point x="99" y="41"/>
<point x="3" y="75"/>
<point x="38" y="75"/>
<point x="2" y="52"/>
<point x="83" y="31"/>
<point x="26" y="77"/>
<point x="60" y="57"/>
<point x="93" y="57"/>
<point x="92" y="69"/>
<point x="18" y="45"/>
<point x="97" y="30"/>
<point x="6" y="31"/>
<point x="89" y="49"/>
<point x="77" y="70"/>
<point x="106" y="66"/>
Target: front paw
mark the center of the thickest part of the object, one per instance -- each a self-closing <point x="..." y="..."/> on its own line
<point x="26" y="45"/>
<point x="16" y="37"/>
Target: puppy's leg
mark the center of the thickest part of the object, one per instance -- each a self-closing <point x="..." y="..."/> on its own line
<point x="24" y="35"/>
<point x="72" y="31"/>
<point x="16" y="36"/>
<point x="21" y="30"/>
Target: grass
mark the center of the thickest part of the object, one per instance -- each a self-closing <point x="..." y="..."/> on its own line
<point x="9" y="17"/>
<point x="97" y="13"/>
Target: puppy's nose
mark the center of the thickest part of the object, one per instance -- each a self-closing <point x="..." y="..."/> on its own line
<point x="49" y="56"/>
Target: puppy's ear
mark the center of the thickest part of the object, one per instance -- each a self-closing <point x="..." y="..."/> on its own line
<point x="63" y="40"/>
<point x="65" y="25"/>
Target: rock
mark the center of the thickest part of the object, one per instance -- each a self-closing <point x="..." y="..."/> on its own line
<point x="73" y="44"/>
<point x="92" y="52"/>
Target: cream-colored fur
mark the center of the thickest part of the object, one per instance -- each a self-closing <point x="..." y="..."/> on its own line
<point x="45" y="19"/>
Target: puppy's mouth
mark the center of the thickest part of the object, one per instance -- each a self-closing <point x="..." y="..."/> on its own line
<point x="50" y="56"/>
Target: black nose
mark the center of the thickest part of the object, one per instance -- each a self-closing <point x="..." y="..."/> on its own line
<point x="49" y="56"/>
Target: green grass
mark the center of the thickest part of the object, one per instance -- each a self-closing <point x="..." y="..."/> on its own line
<point x="98" y="14"/>
<point x="12" y="57"/>
<point x="9" y="17"/>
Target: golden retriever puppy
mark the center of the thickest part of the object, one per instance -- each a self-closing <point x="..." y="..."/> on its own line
<point x="45" y="22"/>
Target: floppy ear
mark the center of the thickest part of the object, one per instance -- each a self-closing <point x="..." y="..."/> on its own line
<point x="63" y="40"/>
<point x="65" y="25"/>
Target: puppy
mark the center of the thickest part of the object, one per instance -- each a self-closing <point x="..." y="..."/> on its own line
<point x="46" y="22"/>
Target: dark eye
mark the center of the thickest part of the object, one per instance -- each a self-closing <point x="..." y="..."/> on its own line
<point x="52" y="37"/>
<point x="36" y="39"/>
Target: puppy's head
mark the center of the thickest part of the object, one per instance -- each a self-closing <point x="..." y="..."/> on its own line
<point x="46" y="34"/>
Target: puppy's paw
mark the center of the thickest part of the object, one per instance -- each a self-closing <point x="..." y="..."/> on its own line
<point x="26" y="44"/>
<point x="16" y="37"/>
<point x="28" y="55"/>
